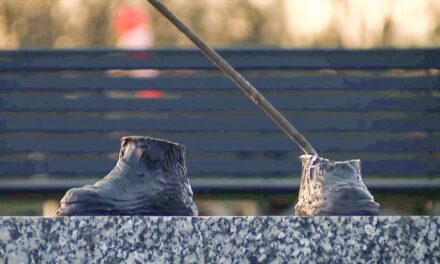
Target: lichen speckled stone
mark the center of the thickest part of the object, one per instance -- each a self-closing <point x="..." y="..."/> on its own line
<point x="148" y="179"/>
<point x="333" y="188"/>
<point x="137" y="239"/>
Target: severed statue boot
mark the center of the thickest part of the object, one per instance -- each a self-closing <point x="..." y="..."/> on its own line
<point x="333" y="188"/>
<point x="148" y="179"/>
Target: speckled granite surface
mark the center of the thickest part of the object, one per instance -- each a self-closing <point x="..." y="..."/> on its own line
<point x="220" y="240"/>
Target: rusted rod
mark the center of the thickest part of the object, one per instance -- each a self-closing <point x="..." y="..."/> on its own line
<point x="241" y="82"/>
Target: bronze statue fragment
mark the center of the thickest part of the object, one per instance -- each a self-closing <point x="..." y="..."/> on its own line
<point x="333" y="188"/>
<point x="148" y="179"/>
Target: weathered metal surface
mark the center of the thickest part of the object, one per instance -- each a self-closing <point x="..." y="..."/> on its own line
<point x="148" y="179"/>
<point x="333" y="188"/>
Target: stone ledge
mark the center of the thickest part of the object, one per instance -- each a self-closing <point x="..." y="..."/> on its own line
<point x="220" y="239"/>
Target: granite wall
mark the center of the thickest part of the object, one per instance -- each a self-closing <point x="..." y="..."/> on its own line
<point x="220" y="239"/>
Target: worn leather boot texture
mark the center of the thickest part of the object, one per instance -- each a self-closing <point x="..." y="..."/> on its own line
<point x="333" y="188"/>
<point x="148" y="179"/>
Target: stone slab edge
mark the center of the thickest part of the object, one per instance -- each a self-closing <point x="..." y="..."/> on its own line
<point x="384" y="239"/>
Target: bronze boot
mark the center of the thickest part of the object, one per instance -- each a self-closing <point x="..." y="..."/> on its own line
<point x="148" y="179"/>
<point x="333" y="188"/>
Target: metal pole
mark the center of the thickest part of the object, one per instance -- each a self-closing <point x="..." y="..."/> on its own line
<point x="241" y="82"/>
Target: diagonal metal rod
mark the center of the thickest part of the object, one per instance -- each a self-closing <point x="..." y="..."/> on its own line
<point x="239" y="80"/>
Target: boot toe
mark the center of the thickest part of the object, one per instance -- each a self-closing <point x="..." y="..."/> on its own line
<point x="83" y="201"/>
<point x="79" y="195"/>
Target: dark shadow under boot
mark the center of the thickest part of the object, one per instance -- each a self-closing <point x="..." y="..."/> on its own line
<point x="148" y="179"/>
<point x="333" y="188"/>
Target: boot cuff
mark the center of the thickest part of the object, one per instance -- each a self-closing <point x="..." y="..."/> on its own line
<point x="155" y="150"/>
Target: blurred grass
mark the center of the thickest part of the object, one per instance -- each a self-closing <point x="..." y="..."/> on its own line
<point x="228" y="204"/>
<point x="22" y="206"/>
